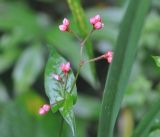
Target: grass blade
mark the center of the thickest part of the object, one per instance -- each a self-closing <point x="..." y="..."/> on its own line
<point x="121" y="66"/>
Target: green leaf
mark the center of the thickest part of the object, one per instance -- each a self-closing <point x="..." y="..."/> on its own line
<point x="146" y="123"/>
<point x="120" y="68"/>
<point x="12" y="14"/>
<point x="68" y="114"/>
<point x="4" y="97"/>
<point x="28" y="68"/>
<point x="155" y="133"/>
<point x="57" y="91"/>
<point x="81" y="23"/>
<point x="7" y="58"/>
<point x="157" y="60"/>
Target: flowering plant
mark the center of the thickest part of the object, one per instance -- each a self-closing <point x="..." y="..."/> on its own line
<point x="60" y="83"/>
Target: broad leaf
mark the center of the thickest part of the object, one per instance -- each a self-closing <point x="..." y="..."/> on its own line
<point x="28" y="68"/>
<point x="7" y="58"/>
<point x="57" y="91"/>
<point x="67" y="112"/>
<point x="121" y="65"/>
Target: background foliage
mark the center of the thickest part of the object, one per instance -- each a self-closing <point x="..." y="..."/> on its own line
<point x="28" y="28"/>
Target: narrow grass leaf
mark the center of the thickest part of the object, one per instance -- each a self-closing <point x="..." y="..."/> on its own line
<point x="121" y="66"/>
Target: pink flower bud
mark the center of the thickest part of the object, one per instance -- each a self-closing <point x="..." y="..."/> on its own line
<point x="63" y="28"/>
<point x="109" y="59"/>
<point x="46" y="107"/>
<point x="66" y="22"/>
<point x="92" y="20"/>
<point x="97" y="18"/>
<point x="56" y="77"/>
<point x="98" y="25"/>
<point x="42" y="111"/>
<point x="66" y="67"/>
<point x="108" y="56"/>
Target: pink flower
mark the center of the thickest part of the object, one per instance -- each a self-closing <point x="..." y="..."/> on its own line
<point x="108" y="56"/>
<point x="98" y="18"/>
<point x="63" y="28"/>
<point x="56" y="77"/>
<point x="65" y="25"/>
<point x="96" y="21"/>
<point x="44" y="109"/>
<point x="66" y="22"/>
<point x="98" y="25"/>
<point x="92" y="20"/>
<point x="66" y="67"/>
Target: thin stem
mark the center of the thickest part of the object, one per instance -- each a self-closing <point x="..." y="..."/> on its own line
<point x="94" y="59"/>
<point x="78" y="71"/>
<point x="57" y="102"/>
<point x="89" y="34"/>
<point x="81" y="53"/>
<point x="66" y="77"/>
<point x="83" y="42"/>
<point x="75" y="34"/>
<point x="61" y="127"/>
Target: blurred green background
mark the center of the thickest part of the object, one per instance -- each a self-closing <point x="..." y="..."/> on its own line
<point x="28" y="27"/>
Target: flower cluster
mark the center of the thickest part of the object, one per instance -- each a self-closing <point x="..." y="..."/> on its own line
<point x="108" y="56"/>
<point x="44" y="109"/>
<point x="96" y="21"/>
<point x="65" y="68"/>
<point x="97" y="24"/>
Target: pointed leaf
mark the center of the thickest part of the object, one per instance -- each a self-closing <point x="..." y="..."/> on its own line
<point x="121" y="65"/>
<point x="59" y="95"/>
<point x="68" y="114"/>
<point x="28" y="68"/>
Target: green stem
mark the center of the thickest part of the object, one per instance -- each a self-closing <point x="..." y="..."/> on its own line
<point x="81" y="53"/>
<point x="84" y="41"/>
<point x="57" y="102"/>
<point x="94" y="59"/>
<point x="75" y="34"/>
<point x="66" y="77"/>
<point x="79" y="68"/>
<point x="61" y="127"/>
